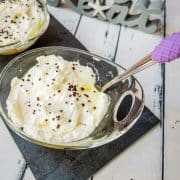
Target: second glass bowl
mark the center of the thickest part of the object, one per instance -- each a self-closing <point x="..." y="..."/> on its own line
<point x="24" y="44"/>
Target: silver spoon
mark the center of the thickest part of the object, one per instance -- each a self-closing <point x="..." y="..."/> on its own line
<point x="167" y="50"/>
<point x="139" y="66"/>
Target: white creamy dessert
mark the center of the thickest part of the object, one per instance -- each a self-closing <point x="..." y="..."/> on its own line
<point x="56" y="101"/>
<point x="20" y="20"/>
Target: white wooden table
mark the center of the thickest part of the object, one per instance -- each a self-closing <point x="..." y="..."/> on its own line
<point x="156" y="155"/>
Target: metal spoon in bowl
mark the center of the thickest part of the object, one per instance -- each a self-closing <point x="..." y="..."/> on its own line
<point x="167" y="50"/>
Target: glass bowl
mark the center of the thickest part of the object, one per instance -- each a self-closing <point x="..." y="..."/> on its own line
<point x="126" y="105"/>
<point x="24" y="44"/>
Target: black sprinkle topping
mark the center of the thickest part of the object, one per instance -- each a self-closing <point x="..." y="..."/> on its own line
<point x="86" y="95"/>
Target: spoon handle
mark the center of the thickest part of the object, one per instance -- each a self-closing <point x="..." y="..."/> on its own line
<point x="167" y="50"/>
<point x="139" y="66"/>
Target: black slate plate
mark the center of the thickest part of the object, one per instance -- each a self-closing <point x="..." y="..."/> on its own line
<point x="74" y="165"/>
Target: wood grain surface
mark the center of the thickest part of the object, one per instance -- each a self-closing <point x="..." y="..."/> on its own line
<point x="172" y="102"/>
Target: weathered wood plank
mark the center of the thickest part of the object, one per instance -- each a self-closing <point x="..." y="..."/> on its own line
<point x="172" y="102"/>
<point x="12" y="162"/>
<point x="172" y="16"/>
<point x="98" y="37"/>
<point x="142" y="160"/>
<point x="172" y="122"/>
<point x="67" y="17"/>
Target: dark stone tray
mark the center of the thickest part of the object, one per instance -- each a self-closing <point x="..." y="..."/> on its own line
<point x="74" y="165"/>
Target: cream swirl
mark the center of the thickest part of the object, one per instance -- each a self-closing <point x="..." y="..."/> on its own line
<point x="56" y="101"/>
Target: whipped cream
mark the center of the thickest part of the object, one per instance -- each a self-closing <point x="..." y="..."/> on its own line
<point x="56" y="101"/>
<point x="19" y="20"/>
